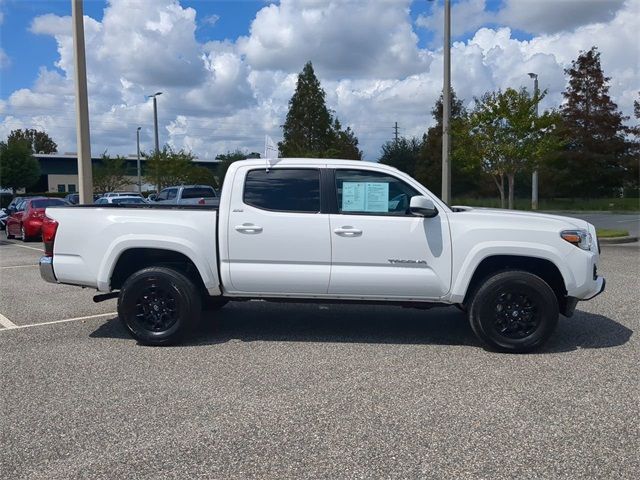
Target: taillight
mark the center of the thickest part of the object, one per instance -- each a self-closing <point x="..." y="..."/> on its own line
<point x="201" y="201"/>
<point x="49" y="229"/>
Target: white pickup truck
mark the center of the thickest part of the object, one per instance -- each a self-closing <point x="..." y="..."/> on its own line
<point x="326" y="231"/>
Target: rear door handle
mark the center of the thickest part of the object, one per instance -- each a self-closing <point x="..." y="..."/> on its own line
<point x="248" y="228"/>
<point x="347" y="231"/>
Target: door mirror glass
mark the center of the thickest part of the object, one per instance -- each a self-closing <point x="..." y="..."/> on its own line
<point x="423" y="207"/>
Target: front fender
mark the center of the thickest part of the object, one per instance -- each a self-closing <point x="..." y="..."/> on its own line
<point x="467" y="265"/>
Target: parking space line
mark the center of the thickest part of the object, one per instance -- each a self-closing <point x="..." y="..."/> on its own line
<point x="6" y="323"/>
<point x="19" y="266"/>
<point x="8" y="244"/>
<point x="88" y="317"/>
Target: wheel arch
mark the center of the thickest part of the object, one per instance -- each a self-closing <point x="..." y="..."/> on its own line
<point x="541" y="267"/>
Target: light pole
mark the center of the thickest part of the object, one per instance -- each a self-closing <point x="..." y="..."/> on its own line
<point x="446" y="106"/>
<point x="534" y="176"/>
<point x="138" y="162"/>
<point x="85" y="176"/>
<point x="155" y="118"/>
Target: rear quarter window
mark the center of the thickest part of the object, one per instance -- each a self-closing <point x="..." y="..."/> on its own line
<point x="198" y="192"/>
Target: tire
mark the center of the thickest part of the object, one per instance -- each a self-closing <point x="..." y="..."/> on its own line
<point x="159" y="306"/>
<point x="514" y="311"/>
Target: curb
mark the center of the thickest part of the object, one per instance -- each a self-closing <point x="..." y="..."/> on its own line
<point x="615" y="240"/>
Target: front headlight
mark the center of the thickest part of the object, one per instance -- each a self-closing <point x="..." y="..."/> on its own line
<point x="580" y="238"/>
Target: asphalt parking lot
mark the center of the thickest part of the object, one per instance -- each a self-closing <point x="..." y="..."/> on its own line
<point x="307" y="391"/>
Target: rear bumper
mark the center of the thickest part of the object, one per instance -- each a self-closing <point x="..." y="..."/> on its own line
<point x="46" y="270"/>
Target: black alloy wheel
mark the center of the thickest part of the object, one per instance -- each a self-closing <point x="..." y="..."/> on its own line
<point x="159" y="305"/>
<point x="514" y="311"/>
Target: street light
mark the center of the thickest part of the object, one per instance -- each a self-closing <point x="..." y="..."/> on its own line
<point x="534" y="176"/>
<point x="155" y="118"/>
<point x="446" y="106"/>
<point x="138" y="162"/>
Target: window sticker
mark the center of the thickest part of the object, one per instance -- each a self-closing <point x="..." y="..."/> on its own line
<point x="365" y="197"/>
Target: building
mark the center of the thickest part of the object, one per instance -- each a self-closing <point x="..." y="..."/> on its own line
<point x="59" y="173"/>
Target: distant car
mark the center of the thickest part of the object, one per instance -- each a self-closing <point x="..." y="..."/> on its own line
<point x="3" y="218"/>
<point x="188" y="195"/>
<point x="120" y="200"/>
<point x="16" y="201"/>
<point x="73" y="198"/>
<point x="25" y="220"/>
<point x="122" y="194"/>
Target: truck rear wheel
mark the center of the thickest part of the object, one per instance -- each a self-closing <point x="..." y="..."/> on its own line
<point x="514" y="311"/>
<point x="159" y="306"/>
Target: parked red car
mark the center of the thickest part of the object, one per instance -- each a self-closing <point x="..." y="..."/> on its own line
<point x="25" y="220"/>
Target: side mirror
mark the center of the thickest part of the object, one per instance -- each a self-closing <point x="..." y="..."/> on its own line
<point x="422" y="207"/>
<point x="152" y="197"/>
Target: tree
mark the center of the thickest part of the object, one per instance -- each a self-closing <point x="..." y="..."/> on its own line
<point x="110" y="175"/>
<point x="226" y="159"/>
<point x="465" y="173"/>
<point x="591" y="163"/>
<point x="18" y="167"/>
<point x="166" y="167"/>
<point x="402" y="154"/>
<point x="39" y="142"/>
<point x="506" y="137"/>
<point x="309" y="129"/>
<point x="344" y="144"/>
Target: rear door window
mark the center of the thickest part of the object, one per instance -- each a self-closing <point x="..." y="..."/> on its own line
<point x="283" y="189"/>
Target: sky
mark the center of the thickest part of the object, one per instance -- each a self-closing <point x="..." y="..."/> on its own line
<point x="227" y="69"/>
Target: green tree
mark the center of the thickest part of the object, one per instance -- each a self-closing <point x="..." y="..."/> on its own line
<point x="506" y="137"/>
<point x="18" y="167"/>
<point x="466" y="174"/>
<point x="591" y="163"/>
<point x="199" y="175"/>
<point x="309" y="129"/>
<point x="110" y="174"/>
<point x="40" y="142"/>
<point x="344" y="144"/>
<point x="402" y="154"/>
<point x="226" y="159"/>
<point x="167" y="167"/>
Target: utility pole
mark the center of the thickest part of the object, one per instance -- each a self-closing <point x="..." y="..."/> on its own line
<point x="138" y="162"/>
<point x="534" y="176"/>
<point x="446" y="106"/>
<point x="396" y="132"/>
<point x="85" y="176"/>
<point x="155" y="118"/>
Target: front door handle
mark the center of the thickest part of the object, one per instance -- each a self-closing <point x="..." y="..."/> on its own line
<point x="248" y="228"/>
<point x="348" y="231"/>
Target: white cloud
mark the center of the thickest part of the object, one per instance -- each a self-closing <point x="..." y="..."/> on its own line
<point x="219" y="96"/>
<point x="552" y="16"/>
<point x="211" y="19"/>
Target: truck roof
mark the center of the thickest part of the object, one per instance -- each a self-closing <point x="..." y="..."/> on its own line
<point x="278" y="162"/>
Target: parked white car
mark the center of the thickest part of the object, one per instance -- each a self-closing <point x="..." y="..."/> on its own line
<point x="120" y="200"/>
<point x="327" y="230"/>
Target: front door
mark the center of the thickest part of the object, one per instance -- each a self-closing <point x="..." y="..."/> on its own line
<point x="278" y="242"/>
<point x="379" y="248"/>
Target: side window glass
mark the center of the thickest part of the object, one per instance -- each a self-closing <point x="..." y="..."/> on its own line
<point x="283" y="189"/>
<point x="162" y="195"/>
<point x="362" y="192"/>
<point x="172" y="193"/>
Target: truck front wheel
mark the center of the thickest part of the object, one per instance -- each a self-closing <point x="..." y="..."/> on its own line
<point x="514" y="311"/>
<point x="159" y="305"/>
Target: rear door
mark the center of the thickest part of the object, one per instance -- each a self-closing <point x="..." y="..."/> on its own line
<point x="278" y="241"/>
<point x="379" y="248"/>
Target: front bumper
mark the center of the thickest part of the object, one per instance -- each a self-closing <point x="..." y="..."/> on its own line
<point x="46" y="270"/>
<point x="601" y="283"/>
